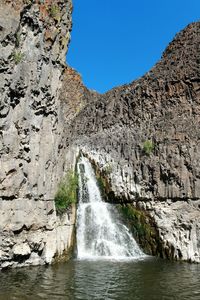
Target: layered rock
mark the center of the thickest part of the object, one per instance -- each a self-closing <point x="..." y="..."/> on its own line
<point x="34" y="36"/>
<point x="32" y="234"/>
<point x="160" y="109"/>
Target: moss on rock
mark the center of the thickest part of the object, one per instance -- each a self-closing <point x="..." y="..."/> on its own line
<point x="141" y="226"/>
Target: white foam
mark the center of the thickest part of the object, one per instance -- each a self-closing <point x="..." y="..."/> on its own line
<point x="100" y="232"/>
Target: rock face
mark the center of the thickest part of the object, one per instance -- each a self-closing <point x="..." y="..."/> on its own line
<point x="144" y="138"/>
<point x="34" y="37"/>
<point x="32" y="234"/>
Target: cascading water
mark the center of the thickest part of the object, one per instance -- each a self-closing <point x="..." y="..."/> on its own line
<point x="100" y="232"/>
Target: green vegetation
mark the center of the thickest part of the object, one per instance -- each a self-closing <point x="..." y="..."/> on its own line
<point x="55" y="12"/>
<point x="18" y="57"/>
<point x="101" y="184"/>
<point x="148" y="147"/>
<point x="108" y="168"/>
<point x="64" y="40"/>
<point x="143" y="228"/>
<point x="28" y="2"/>
<point x="67" y="192"/>
<point x="138" y="222"/>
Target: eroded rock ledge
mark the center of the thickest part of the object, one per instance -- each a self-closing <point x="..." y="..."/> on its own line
<point x="32" y="234"/>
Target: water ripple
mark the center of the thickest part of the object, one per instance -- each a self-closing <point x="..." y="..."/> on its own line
<point x="149" y="279"/>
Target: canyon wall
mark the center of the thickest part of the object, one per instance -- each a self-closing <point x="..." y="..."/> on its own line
<point x="144" y="140"/>
<point x="34" y="37"/>
<point x="142" y="137"/>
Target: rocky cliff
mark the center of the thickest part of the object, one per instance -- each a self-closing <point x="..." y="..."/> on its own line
<point x="144" y="140"/>
<point x="34" y="36"/>
<point x="142" y="137"/>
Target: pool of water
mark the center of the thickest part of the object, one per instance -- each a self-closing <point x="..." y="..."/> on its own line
<point x="148" y="279"/>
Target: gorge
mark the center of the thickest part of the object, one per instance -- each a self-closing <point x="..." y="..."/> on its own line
<point x="142" y="139"/>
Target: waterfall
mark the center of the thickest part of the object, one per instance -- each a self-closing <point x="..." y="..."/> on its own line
<point x="100" y="231"/>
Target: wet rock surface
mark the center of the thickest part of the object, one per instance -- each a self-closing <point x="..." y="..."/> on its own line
<point x="161" y="110"/>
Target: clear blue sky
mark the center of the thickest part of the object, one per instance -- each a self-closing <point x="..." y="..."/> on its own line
<point x="114" y="42"/>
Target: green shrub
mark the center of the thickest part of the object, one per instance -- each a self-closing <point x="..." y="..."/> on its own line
<point x="108" y="168"/>
<point x="67" y="192"/>
<point x="148" y="147"/>
<point x="17" y="57"/>
<point x="28" y="2"/>
<point x="55" y="12"/>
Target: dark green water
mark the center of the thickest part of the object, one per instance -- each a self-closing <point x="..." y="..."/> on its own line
<point x="150" y="279"/>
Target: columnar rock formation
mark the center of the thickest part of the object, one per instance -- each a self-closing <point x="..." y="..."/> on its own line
<point x="144" y="138"/>
<point x="34" y="37"/>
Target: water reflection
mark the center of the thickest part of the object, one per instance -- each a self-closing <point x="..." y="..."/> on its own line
<point x="150" y="279"/>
